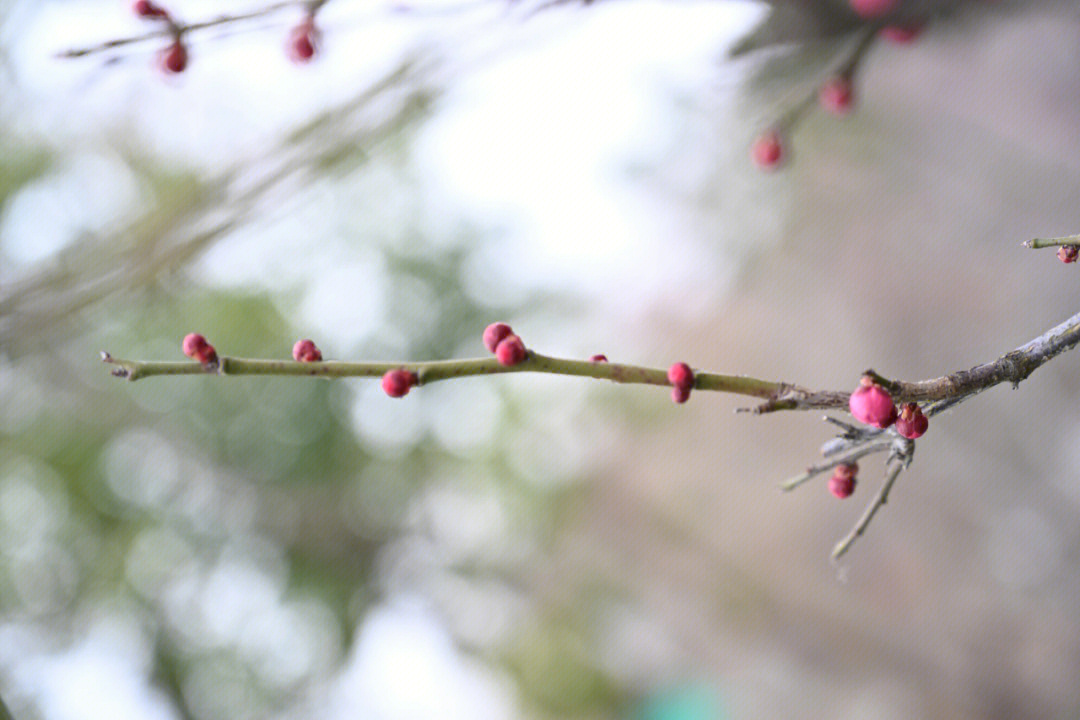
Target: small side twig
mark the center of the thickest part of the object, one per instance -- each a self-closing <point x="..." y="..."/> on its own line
<point x="847" y="458"/>
<point x="1037" y="243"/>
<point x="894" y="470"/>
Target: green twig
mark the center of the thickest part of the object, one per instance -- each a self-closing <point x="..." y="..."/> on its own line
<point x="1052" y="242"/>
<point x="433" y="371"/>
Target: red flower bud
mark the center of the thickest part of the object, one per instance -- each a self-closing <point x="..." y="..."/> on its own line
<point x="873" y="8"/>
<point x="196" y="348"/>
<point x="174" y="58"/>
<point x="303" y="41"/>
<point x="872" y="404"/>
<point x="902" y="34"/>
<point x="147" y="9"/>
<point x="680" y="375"/>
<point x="842" y="482"/>
<point x="510" y="350"/>
<point x="494" y="334"/>
<point x="912" y="423"/>
<point x="306" y="351"/>
<point x="767" y="151"/>
<point x="396" y="383"/>
<point x="836" y="96"/>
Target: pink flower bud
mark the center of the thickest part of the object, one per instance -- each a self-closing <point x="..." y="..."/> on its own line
<point x="396" y="383"/>
<point x="767" y="151"/>
<point x="842" y="482"/>
<point x="147" y="9"/>
<point x="510" y="350"/>
<point x="306" y="351"/>
<point x="680" y="375"/>
<point x="867" y="9"/>
<point x="174" y="58"/>
<point x="902" y="34"/>
<point x="598" y="358"/>
<point x="303" y="41"/>
<point x="494" y="334"/>
<point x="836" y="96"/>
<point x="912" y="423"/>
<point x="872" y="404"/>
<point x="1068" y="253"/>
<point x="196" y="348"/>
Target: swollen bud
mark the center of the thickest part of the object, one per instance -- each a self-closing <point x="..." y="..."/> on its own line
<point x="1068" y="253"/>
<point x="174" y="58"/>
<point x="867" y="9"/>
<point x="306" y="351"/>
<point x="767" y="152"/>
<point x="681" y="378"/>
<point x="510" y="351"/>
<point x="396" y="383"/>
<point x="912" y="423"/>
<point x="842" y="482"/>
<point x="147" y="9"/>
<point x="680" y="375"/>
<point x="494" y="334"/>
<point x="303" y="41"/>
<point x="836" y="96"/>
<point x="902" y="34"/>
<point x="680" y="394"/>
<point x="196" y="348"/>
<point x="872" y="404"/>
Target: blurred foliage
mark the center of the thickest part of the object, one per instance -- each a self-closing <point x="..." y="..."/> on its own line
<point x="243" y="526"/>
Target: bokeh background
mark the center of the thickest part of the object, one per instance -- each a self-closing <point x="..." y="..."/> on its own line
<point x="528" y="546"/>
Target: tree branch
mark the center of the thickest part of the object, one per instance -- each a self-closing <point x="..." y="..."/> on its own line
<point x="1012" y="367"/>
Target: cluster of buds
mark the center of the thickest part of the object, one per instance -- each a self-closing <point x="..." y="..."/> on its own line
<point x="872" y="404"/>
<point x="509" y="350"/>
<point x="837" y="94"/>
<point x="172" y="59"/>
<point x="681" y="378"/>
<point x="301" y="45"/>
